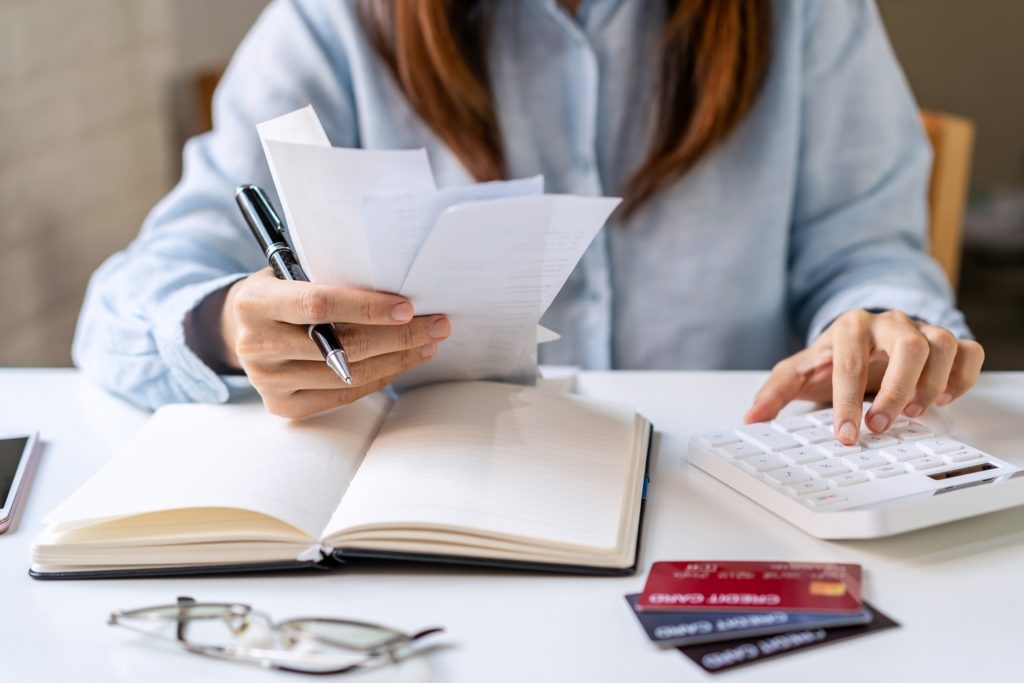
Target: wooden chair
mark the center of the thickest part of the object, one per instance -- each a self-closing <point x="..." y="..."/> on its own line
<point x="952" y="139"/>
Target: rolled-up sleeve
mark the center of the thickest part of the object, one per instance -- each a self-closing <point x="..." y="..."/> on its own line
<point x="131" y="332"/>
<point x="859" y="235"/>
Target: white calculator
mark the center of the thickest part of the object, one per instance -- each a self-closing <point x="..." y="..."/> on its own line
<point x="906" y="478"/>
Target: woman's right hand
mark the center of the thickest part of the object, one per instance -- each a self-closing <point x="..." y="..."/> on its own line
<point x="264" y="321"/>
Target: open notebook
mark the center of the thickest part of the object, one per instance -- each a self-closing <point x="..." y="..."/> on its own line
<point x="466" y="472"/>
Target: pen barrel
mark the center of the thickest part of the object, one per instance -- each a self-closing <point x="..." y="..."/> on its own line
<point x="286" y="266"/>
<point x="325" y="337"/>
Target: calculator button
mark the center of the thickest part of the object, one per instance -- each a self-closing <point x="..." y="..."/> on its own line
<point x="865" y="459"/>
<point x="925" y="463"/>
<point x="763" y="463"/>
<point x="822" y="418"/>
<point x="809" y="437"/>
<point x="903" y="452"/>
<point x="849" y="479"/>
<point x="825" y="499"/>
<point x="787" y="475"/>
<point x="792" y="423"/>
<point x="886" y="471"/>
<point x="962" y="454"/>
<point x="827" y="468"/>
<point x="938" y="445"/>
<point x="735" y="451"/>
<point x="912" y="431"/>
<point x="806" y="487"/>
<point x="801" y="455"/>
<point x="878" y="440"/>
<point x="716" y="439"/>
<point x="835" y="447"/>
<point x="766" y="438"/>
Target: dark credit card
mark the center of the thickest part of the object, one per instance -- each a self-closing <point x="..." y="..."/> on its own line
<point x="723" y="656"/>
<point x="672" y="629"/>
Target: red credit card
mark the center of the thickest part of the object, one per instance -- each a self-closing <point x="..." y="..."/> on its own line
<point x="752" y="586"/>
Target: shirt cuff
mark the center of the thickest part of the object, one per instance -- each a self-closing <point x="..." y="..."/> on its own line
<point x="200" y="383"/>
<point x="925" y="306"/>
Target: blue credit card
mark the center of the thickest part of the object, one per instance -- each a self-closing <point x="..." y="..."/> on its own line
<point x="676" y="628"/>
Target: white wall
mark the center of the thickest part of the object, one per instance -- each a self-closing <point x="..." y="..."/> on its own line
<point x="87" y="144"/>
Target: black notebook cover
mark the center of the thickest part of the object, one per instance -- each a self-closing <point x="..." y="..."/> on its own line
<point x="348" y="556"/>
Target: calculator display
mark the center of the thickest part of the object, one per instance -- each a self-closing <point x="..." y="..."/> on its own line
<point x="981" y="467"/>
<point x="11" y="451"/>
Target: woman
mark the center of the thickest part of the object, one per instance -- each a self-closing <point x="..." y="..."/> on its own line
<point x="770" y="156"/>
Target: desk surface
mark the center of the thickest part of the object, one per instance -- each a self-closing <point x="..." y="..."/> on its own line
<point x="954" y="588"/>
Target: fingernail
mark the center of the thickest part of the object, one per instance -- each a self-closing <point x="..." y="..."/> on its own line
<point x="914" y="410"/>
<point x="440" y="328"/>
<point x="878" y="422"/>
<point x="848" y="431"/>
<point x="428" y="351"/>
<point x="402" y="312"/>
<point x="944" y="398"/>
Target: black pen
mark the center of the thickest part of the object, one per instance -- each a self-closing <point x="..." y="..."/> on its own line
<point x="267" y="229"/>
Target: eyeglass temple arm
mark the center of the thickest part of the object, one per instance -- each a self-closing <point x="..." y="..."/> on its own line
<point x="183" y="600"/>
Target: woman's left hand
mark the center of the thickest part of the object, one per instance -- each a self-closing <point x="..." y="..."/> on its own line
<point x="910" y="365"/>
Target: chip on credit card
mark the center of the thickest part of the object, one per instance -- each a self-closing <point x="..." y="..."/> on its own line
<point x="752" y="586"/>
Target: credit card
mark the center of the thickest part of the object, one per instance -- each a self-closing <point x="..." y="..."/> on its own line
<point x="752" y="587"/>
<point x="675" y="628"/>
<point x="726" y="655"/>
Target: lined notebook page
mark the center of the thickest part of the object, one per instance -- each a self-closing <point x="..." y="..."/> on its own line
<point x="234" y="456"/>
<point x="499" y="460"/>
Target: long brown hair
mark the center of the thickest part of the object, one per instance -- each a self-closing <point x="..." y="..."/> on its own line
<point x="713" y="58"/>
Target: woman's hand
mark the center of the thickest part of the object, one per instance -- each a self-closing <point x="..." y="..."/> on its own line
<point x="910" y="364"/>
<point x="263" y="324"/>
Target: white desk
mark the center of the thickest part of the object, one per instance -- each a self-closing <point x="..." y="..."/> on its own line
<point x="956" y="589"/>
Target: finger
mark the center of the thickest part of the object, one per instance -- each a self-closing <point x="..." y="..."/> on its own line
<point x="304" y="303"/>
<point x="935" y="375"/>
<point x="851" y="344"/>
<point x="908" y="351"/>
<point x="970" y="357"/>
<point x="307" y="375"/>
<point x="783" y="385"/>
<point x="366" y="341"/>
<point x="283" y="341"/>
<point x="309" y="402"/>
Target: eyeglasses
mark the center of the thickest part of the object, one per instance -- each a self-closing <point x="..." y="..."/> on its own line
<point x="237" y="632"/>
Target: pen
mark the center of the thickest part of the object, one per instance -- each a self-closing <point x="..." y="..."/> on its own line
<point x="267" y="229"/>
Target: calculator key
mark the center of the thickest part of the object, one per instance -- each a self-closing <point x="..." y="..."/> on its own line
<point x="887" y="471"/>
<point x="835" y="447"/>
<point x="937" y="445"/>
<point x="809" y="437"/>
<point x="766" y="437"/>
<point x="787" y="475"/>
<point x="801" y="455"/>
<point x="912" y="431"/>
<point x="822" y="418"/>
<point x="825" y="499"/>
<point x="827" y="468"/>
<point x="878" y="440"/>
<point x="763" y="463"/>
<point x="849" y="479"/>
<point x="806" y="487"/>
<point x="925" y="463"/>
<point x="735" y="451"/>
<point x="962" y="454"/>
<point x="865" y="460"/>
<point x="716" y="439"/>
<point x="903" y="452"/>
<point x="792" y="423"/>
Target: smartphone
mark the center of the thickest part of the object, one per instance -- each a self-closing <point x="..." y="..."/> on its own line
<point x="17" y="455"/>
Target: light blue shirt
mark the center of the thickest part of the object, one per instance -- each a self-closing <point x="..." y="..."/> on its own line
<point x="814" y="206"/>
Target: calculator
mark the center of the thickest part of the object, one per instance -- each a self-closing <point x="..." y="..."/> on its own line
<point x="907" y="478"/>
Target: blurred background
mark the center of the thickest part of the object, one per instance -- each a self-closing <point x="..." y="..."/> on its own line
<point x="99" y="96"/>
